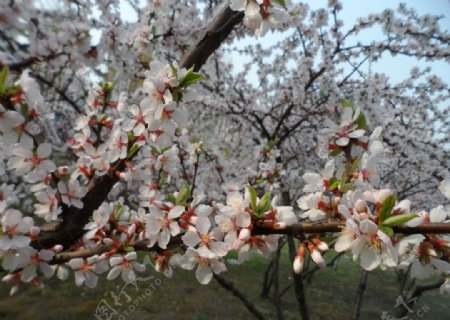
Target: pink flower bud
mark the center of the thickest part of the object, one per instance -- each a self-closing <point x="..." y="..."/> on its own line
<point x="360" y="205"/>
<point x="57" y="248"/>
<point x="34" y="231"/>
<point x="317" y="258"/>
<point x="14" y="290"/>
<point x="322" y="246"/>
<point x="432" y="252"/>
<point x="131" y="229"/>
<point x="298" y="264"/>
<point x="8" y="277"/>
<point x="244" y="234"/>
<point x="279" y="225"/>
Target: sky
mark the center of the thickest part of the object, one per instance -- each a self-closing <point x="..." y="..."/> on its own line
<point x="354" y="9"/>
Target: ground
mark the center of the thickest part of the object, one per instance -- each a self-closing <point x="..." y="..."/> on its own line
<point x="330" y="295"/>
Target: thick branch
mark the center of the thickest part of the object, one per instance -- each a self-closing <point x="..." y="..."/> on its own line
<point x="217" y="31"/>
<point x="300" y="228"/>
<point x="74" y="219"/>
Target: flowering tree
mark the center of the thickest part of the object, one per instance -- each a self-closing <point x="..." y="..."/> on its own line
<point x="100" y="159"/>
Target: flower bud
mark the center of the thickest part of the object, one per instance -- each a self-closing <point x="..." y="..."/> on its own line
<point x="317" y="258"/>
<point x="14" y="290"/>
<point x="360" y="206"/>
<point x="244" y="234"/>
<point x="131" y="229"/>
<point x="34" y="231"/>
<point x="57" y="248"/>
<point x="298" y="264"/>
<point x="8" y="277"/>
<point x="322" y="246"/>
<point x="279" y="225"/>
<point x="432" y="252"/>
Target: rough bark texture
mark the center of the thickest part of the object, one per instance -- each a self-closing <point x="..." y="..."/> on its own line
<point x="217" y="31"/>
<point x="301" y="228"/>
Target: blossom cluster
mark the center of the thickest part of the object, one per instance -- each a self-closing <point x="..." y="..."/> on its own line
<point x="346" y="191"/>
<point x="261" y="15"/>
<point x="160" y="169"/>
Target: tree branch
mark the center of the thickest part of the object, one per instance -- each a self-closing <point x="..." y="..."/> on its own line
<point x="216" y="32"/>
<point x="301" y="228"/>
<point x="230" y="287"/>
<point x="359" y="295"/>
<point x="74" y="219"/>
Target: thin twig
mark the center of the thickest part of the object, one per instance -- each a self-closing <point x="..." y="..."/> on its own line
<point x="226" y="284"/>
<point x="359" y="295"/>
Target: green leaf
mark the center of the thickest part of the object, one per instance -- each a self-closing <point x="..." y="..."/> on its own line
<point x="183" y="195"/>
<point x="264" y="204"/>
<point x="355" y="164"/>
<point x="24" y="109"/>
<point x="347" y="104"/>
<point x="388" y="230"/>
<point x="3" y="79"/>
<point x="190" y="78"/>
<point x="344" y="177"/>
<point x="398" y="220"/>
<point x="174" y="70"/>
<point x="253" y="197"/>
<point x="171" y="198"/>
<point x="387" y="206"/>
<point x="282" y="3"/>
<point x="272" y="144"/>
<point x="334" y="183"/>
<point x="335" y="153"/>
<point x="118" y="210"/>
<point x="361" y="121"/>
<point x="133" y="150"/>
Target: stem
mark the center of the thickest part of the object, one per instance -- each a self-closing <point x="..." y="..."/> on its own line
<point x="359" y="295"/>
<point x="268" y="280"/>
<point x="277" y="297"/>
<point x="298" y="283"/>
<point x="195" y="174"/>
<point x="230" y="287"/>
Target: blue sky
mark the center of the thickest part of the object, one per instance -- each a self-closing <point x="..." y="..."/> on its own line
<point x="398" y="67"/>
